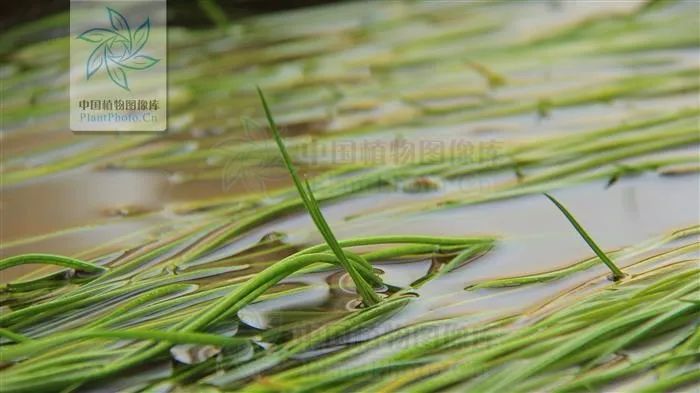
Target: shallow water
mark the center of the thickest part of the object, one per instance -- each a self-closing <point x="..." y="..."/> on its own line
<point x="625" y="214"/>
<point x="400" y="72"/>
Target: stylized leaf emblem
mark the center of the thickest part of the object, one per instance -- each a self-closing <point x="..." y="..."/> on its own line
<point x="117" y="49"/>
<point x="97" y="35"/>
<point x="141" y="35"/>
<point x="118" y="21"/>
<point x="117" y="75"/>
<point x="140" y="62"/>
<point x="95" y="61"/>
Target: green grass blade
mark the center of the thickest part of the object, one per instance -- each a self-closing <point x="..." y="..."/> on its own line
<point x="617" y="273"/>
<point x="16" y="337"/>
<point x="365" y="290"/>
<point x="30" y="347"/>
<point x="51" y="259"/>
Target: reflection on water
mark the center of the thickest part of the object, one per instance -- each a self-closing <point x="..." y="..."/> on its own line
<point x="535" y="237"/>
<point x="73" y="211"/>
<point x="76" y="198"/>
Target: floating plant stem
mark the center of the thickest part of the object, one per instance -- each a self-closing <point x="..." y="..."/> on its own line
<point x="29" y="347"/>
<point x="617" y="273"/>
<point x="51" y="260"/>
<point x="7" y="333"/>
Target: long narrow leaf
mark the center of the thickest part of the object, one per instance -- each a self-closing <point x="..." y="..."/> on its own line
<point x="617" y="273"/>
<point x="365" y="290"/>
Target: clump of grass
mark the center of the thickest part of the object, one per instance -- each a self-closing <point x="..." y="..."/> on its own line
<point x="617" y="274"/>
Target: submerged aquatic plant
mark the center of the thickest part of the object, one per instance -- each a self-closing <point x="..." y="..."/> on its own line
<point x="195" y="281"/>
<point x="41" y="326"/>
<point x="541" y="351"/>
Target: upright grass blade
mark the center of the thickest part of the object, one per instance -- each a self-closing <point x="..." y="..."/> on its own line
<point x="365" y="290"/>
<point x="617" y="273"/>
